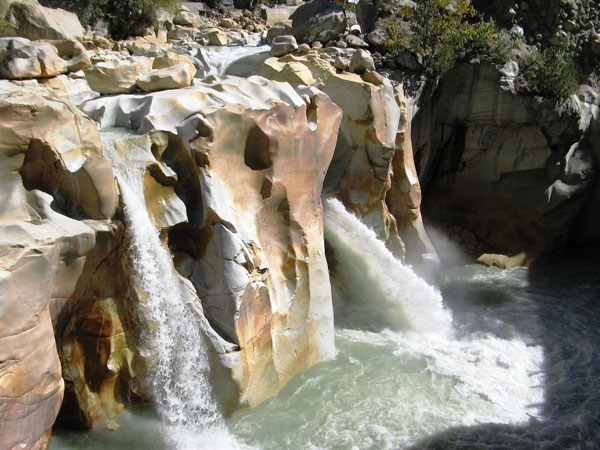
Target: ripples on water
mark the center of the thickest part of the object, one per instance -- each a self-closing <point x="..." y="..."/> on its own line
<point x="522" y="372"/>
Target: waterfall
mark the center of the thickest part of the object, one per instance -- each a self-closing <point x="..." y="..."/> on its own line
<point x="378" y="288"/>
<point x="179" y="366"/>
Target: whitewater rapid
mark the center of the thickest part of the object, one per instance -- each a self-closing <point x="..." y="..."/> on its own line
<point x="518" y="368"/>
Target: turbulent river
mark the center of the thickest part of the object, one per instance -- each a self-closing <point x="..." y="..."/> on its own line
<point x="518" y="366"/>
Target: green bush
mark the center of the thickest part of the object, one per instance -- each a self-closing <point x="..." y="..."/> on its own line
<point x="124" y="17"/>
<point x="444" y="32"/>
<point x="548" y="72"/>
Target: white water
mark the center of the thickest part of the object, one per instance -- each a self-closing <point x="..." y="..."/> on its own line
<point x="399" y="378"/>
<point x="374" y="283"/>
<point x="218" y="59"/>
<point x="179" y="363"/>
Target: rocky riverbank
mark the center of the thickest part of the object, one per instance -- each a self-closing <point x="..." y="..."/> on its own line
<point x="234" y="171"/>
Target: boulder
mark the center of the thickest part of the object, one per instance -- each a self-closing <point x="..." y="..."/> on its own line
<point x="172" y="77"/>
<point x="216" y="37"/>
<point x="278" y="29"/>
<point x="33" y="21"/>
<point x="186" y="18"/>
<point x="361" y="61"/>
<point x="312" y="18"/>
<point x="147" y="46"/>
<point x="117" y="77"/>
<point x="227" y="22"/>
<point x="278" y="13"/>
<point x="73" y="53"/>
<point x="179" y="33"/>
<point x="355" y="41"/>
<point x="282" y="45"/>
<point x="250" y="245"/>
<point x="22" y="58"/>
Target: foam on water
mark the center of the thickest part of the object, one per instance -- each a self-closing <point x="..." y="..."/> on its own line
<point x="523" y="356"/>
<point x="400" y="373"/>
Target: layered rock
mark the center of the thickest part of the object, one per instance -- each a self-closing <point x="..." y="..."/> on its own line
<point x="248" y="159"/>
<point x="511" y="173"/>
<point x="52" y="168"/>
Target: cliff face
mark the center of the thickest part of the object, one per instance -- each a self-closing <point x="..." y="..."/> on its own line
<point x="248" y="159"/>
<point x="372" y="170"/>
<point x="512" y="174"/>
<point x="52" y="170"/>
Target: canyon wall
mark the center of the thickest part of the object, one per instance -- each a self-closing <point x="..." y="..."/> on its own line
<point x="503" y="173"/>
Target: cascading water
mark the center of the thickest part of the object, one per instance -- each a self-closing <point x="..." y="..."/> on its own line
<point x="179" y="365"/>
<point x="517" y="367"/>
<point x="217" y="59"/>
<point x="374" y="283"/>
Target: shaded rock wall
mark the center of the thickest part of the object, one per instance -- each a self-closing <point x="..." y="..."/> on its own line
<point x="504" y="173"/>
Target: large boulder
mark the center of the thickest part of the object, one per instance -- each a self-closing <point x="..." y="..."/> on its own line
<point x="508" y="173"/>
<point x="30" y="20"/>
<point x="282" y="45"/>
<point x="147" y="46"/>
<point x="252" y="242"/>
<point x="319" y="15"/>
<point x="74" y="53"/>
<point x="172" y="77"/>
<point x="117" y="77"/>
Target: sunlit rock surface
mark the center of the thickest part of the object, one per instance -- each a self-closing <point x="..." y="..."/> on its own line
<point x="249" y="158"/>
<point x="52" y="169"/>
<point x="373" y="147"/>
<point x="28" y="19"/>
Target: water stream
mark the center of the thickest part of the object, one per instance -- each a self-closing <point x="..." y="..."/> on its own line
<point x="519" y="367"/>
<point x="172" y="339"/>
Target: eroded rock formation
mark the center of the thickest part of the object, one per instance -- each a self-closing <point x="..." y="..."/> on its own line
<point x="52" y="170"/>
<point x="248" y="159"/>
<point x="373" y="151"/>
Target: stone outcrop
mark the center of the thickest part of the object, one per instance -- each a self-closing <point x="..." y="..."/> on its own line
<point x="249" y="158"/>
<point x="315" y="17"/>
<point x="30" y="20"/>
<point x="52" y="169"/>
<point x="512" y="171"/>
<point x="117" y="76"/>
<point x="372" y="151"/>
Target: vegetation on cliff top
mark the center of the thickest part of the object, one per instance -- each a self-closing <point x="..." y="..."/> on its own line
<point x="446" y="32"/>
<point x="123" y="17"/>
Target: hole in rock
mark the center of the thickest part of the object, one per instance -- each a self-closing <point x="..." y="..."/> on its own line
<point x="266" y="188"/>
<point x="256" y="153"/>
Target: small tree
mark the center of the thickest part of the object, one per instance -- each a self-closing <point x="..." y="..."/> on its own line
<point x="549" y="72"/>
<point x="124" y="17"/>
<point x="445" y="31"/>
